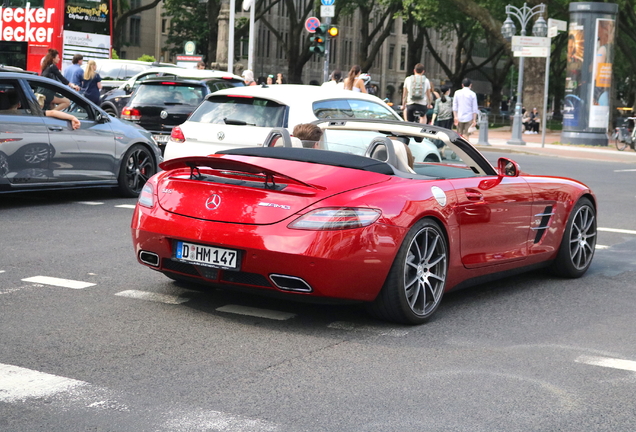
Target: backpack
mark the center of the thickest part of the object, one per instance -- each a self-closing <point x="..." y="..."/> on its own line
<point x="417" y="87"/>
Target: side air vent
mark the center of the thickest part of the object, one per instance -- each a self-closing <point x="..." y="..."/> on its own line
<point x="544" y="223"/>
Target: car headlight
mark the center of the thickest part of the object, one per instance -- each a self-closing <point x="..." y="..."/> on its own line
<point x="337" y="218"/>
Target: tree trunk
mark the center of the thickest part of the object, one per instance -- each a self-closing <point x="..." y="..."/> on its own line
<point x="533" y="83"/>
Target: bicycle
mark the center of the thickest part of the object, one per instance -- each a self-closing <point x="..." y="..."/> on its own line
<point x="624" y="135"/>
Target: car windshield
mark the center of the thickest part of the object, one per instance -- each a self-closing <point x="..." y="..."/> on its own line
<point x="168" y="94"/>
<point x="242" y="111"/>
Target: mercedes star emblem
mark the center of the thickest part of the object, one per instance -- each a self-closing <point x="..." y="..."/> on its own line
<point x="221" y="136"/>
<point x="163" y="115"/>
<point x="213" y="202"/>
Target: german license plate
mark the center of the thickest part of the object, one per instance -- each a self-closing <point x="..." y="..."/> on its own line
<point x="206" y="255"/>
<point x="161" y="138"/>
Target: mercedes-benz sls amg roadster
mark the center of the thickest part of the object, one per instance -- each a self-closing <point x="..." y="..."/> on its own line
<point x="353" y="218"/>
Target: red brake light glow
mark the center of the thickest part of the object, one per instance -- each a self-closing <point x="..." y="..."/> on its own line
<point x="240" y="96"/>
<point x="177" y="135"/>
<point x="169" y="83"/>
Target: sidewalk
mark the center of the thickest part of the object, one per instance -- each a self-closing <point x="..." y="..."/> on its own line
<point x="498" y="142"/>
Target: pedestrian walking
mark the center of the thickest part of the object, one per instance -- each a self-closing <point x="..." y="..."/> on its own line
<point x="465" y="108"/>
<point x="335" y="81"/>
<point x="91" y="83"/>
<point x="416" y="94"/>
<point x="353" y="81"/>
<point x="201" y="65"/>
<point x="248" y="76"/>
<point x="74" y="72"/>
<point x="443" y="110"/>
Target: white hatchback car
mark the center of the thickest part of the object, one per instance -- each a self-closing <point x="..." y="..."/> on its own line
<point x="244" y="116"/>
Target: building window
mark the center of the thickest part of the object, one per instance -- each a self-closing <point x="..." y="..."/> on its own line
<point x="391" y="57"/>
<point x="134" y="31"/>
<point x="403" y="57"/>
<point x="164" y="26"/>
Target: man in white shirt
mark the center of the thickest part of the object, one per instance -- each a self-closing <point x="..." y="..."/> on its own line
<point x="336" y="80"/>
<point x="465" y="108"/>
<point x="416" y="94"/>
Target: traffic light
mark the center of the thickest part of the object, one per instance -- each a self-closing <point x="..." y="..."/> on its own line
<point x="318" y="40"/>
<point x="333" y="31"/>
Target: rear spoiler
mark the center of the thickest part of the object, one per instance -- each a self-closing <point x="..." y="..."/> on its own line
<point x="221" y="162"/>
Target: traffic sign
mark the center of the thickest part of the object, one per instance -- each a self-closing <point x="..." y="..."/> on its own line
<point x="311" y="24"/>
<point x="327" y="11"/>
<point x="530" y="41"/>
<point x="327" y="2"/>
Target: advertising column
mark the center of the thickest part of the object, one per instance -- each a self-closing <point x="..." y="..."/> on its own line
<point x="588" y="81"/>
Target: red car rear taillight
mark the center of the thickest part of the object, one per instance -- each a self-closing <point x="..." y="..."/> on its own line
<point x="130" y="114"/>
<point x="177" y="135"/>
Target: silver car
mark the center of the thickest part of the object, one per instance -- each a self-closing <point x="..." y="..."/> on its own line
<point x="41" y="152"/>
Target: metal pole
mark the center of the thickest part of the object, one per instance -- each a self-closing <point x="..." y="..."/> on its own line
<point x="517" y="139"/>
<point x="230" y="44"/>
<point x="544" y="119"/>
<point x="325" y="67"/>
<point x="250" y="47"/>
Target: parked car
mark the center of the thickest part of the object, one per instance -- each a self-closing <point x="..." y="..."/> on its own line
<point x="113" y="101"/>
<point x="243" y="117"/>
<point x="313" y="223"/>
<point x="158" y="105"/>
<point x="40" y="152"/>
<point x="115" y="72"/>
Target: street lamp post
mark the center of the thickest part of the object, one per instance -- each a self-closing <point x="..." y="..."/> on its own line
<point x="508" y="30"/>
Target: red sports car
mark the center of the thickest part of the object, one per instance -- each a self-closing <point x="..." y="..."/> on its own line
<point x="352" y="219"/>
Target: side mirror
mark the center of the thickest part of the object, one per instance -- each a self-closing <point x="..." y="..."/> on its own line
<point x="508" y="168"/>
<point x="101" y="118"/>
<point x="127" y="88"/>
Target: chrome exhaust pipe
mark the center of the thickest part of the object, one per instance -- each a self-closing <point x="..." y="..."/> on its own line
<point x="150" y="258"/>
<point x="290" y="283"/>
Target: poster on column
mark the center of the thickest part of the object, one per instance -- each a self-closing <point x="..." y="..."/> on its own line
<point x="603" y="51"/>
<point x="573" y="104"/>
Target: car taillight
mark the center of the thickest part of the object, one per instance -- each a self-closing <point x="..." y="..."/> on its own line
<point x="147" y="196"/>
<point x="130" y="114"/>
<point x="336" y="219"/>
<point x="177" y="135"/>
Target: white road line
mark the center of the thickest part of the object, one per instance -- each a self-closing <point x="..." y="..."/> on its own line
<point x="608" y="362"/>
<point x="616" y="230"/>
<point x="202" y="420"/>
<point x="154" y="297"/>
<point x="2" y="271"/>
<point x="17" y="383"/>
<point x="598" y="246"/>
<point x="343" y="325"/>
<point x="65" y="283"/>
<point x="256" y="312"/>
<point x="126" y="206"/>
<point x="625" y="170"/>
<point x="89" y="202"/>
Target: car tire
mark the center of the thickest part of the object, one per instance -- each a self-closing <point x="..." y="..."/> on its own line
<point x="432" y="158"/>
<point x="110" y="111"/>
<point x="578" y="243"/>
<point x="137" y="167"/>
<point x="415" y="284"/>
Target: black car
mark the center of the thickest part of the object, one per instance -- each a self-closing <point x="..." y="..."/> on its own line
<point x="116" y="99"/>
<point x="158" y="105"/>
<point x="39" y="152"/>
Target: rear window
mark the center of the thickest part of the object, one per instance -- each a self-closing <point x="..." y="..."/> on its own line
<point x="155" y="94"/>
<point x="222" y="84"/>
<point x="352" y="108"/>
<point x="240" y="111"/>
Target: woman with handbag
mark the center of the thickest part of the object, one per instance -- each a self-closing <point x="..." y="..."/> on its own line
<point x="91" y="83"/>
<point x="50" y="70"/>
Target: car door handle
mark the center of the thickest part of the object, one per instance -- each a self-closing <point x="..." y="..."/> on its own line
<point x="56" y="128"/>
<point x="474" y="195"/>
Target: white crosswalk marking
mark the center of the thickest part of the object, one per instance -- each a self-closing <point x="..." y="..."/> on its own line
<point x="616" y="230"/>
<point x="92" y="203"/>
<point x="65" y="283"/>
<point x="126" y="206"/>
<point x="256" y="312"/>
<point x="17" y="383"/>
<point x="608" y="362"/>
<point x="154" y="297"/>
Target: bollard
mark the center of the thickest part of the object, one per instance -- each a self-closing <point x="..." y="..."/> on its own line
<point x="483" y="130"/>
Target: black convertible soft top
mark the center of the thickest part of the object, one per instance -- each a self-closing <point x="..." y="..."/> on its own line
<point x="323" y="157"/>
